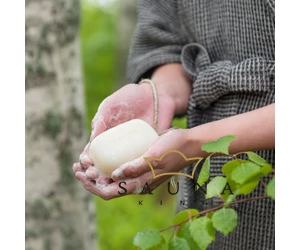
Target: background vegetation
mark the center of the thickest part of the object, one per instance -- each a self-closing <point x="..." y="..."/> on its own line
<point x="117" y="220"/>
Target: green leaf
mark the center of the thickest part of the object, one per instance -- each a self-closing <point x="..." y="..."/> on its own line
<point x="227" y="190"/>
<point x="256" y="158"/>
<point x="228" y="167"/>
<point x="177" y="243"/>
<point x="184" y="232"/>
<point x="266" y="169"/>
<point x="230" y="198"/>
<point x="248" y="187"/>
<point x="215" y="186"/>
<point x="244" y="172"/>
<point x="271" y="188"/>
<point x="219" y="146"/>
<point x="224" y="220"/>
<point x="148" y="239"/>
<point x="205" y="172"/>
<point x="184" y="215"/>
<point x="230" y="188"/>
<point x="202" y="232"/>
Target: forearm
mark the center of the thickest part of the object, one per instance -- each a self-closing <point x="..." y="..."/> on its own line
<point x="171" y="80"/>
<point x="254" y="130"/>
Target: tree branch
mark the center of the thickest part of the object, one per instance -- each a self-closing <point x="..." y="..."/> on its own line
<point x="216" y="208"/>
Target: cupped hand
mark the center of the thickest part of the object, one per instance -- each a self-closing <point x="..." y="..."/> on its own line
<point x="169" y="154"/>
<point x="131" y="177"/>
<point x="130" y="102"/>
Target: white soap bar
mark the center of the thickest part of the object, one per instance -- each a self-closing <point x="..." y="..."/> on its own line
<point x="121" y="144"/>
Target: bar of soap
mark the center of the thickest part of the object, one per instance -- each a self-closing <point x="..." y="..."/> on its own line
<point x="121" y="144"/>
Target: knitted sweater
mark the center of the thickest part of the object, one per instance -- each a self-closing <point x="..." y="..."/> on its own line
<point x="228" y="49"/>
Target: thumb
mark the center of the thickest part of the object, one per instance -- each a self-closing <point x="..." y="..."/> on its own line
<point x="100" y="120"/>
<point x="98" y="127"/>
<point x="131" y="169"/>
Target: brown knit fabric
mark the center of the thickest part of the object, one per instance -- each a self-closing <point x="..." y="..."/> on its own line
<point x="228" y="49"/>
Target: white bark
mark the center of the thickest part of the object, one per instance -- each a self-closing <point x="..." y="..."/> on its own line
<point x="59" y="211"/>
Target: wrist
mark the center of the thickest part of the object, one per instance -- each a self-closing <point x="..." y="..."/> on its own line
<point x="172" y="82"/>
<point x="165" y="100"/>
<point x="195" y="142"/>
<point x="162" y="105"/>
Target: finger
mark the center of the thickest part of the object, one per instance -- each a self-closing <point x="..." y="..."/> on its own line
<point x="138" y="166"/>
<point x="106" y="191"/>
<point x="98" y="127"/>
<point x="131" y="169"/>
<point x="101" y="119"/>
<point x="144" y="184"/>
<point x="104" y="180"/>
<point x="136" y="185"/>
<point x="77" y="167"/>
<point x="92" y="173"/>
<point x="84" y="159"/>
<point x="88" y="184"/>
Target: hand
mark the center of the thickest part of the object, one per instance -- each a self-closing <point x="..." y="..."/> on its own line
<point x="137" y="172"/>
<point x="130" y="102"/>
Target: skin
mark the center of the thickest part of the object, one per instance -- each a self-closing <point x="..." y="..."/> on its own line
<point x="174" y="89"/>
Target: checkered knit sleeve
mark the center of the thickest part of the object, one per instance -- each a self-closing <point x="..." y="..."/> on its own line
<point x="158" y="38"/>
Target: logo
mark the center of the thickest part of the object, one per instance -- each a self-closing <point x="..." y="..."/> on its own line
<point x="149" y="159"/>
<point x="147" y="189"/>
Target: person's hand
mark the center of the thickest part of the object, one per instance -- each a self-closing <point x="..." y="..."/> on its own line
<point x="170" y="151"/>
<point x="137" y="172"/>
<point x="130" y="102"/>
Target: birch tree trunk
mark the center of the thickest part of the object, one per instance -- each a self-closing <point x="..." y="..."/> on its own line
<point x="59" y="211"/>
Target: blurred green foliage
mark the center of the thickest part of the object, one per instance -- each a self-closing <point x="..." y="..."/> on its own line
<point x="98" y="53"/>
<point x="120" y="219"/>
